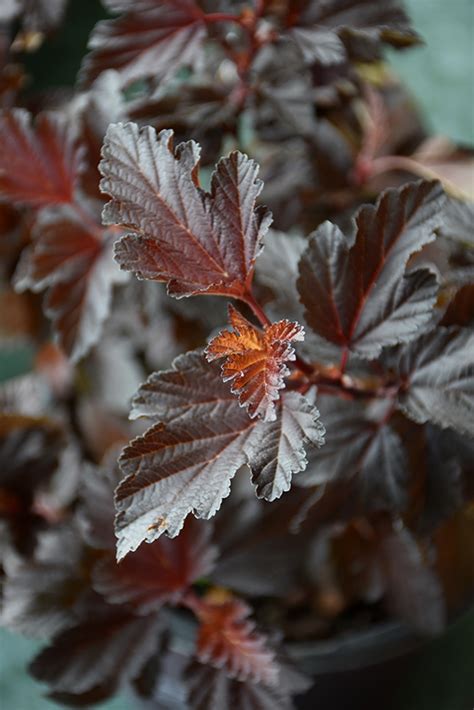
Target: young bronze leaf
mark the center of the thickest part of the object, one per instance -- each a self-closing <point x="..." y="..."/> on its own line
<point x="148" y="39"/>
<point x="227" y="639"/>
<point x="73" y="260"/>
<point x="254" y="361"/>
<point x="201" y="437"/>
<point x="194" y="241"/>
<point x="357" y="445"/>
<point x="438" y="375"/>
<point x="359" y="295"/>
<point x="109" y="648"/>
<point x="38" y="164"/>
<point x="157" y="573"/>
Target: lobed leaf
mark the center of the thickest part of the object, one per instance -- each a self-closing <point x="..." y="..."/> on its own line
<point x="328" y="32"/>
<point x="211" y="689"/>
<point x="40" y="596"/>
<point x="281" y="451"/>
<point x="358" y="294"/>
<point x="184" y="463"/>
<point x="195" y="241"/>
<point x="30" y="448"/>
<point x="147" y="39"/>
<point x="73" y="260"/>
<point x="227" y="639"/>
<point x="360" y="445"/>
<point x="413" y="590"/>
<point x="254" y="361"/>
<point x="158" y="573"/>
<point x="39" y="164"/>
<point x="106" y="650"/>
<point x="438" y="375"/>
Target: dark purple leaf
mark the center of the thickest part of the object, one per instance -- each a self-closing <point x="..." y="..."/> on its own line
<point x="437" y="372"/>
<point x="360" y="445"/>
<point x="106" y="650"/>
<point x="357" y="293"/>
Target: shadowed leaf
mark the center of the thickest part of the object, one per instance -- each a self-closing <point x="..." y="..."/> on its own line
<point x="157" y="573"/>
<point x="359" y="446"/>
<point x="73" y="260"/>
<point x="105" y="650"/>
<point x="148" y="39"/>
<point x="438" y="375"/>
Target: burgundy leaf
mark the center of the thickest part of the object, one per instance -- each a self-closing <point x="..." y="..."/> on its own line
<point x="254" y="361"/>
<point x="148" y="39"/>
<point x="158" y="573"/>
<point x="184" y="463"/>
<point x="38" y="164"/>
<point x="73" y="260"/>
<point x="358" y="294"/>
<point x="195" y="241"/>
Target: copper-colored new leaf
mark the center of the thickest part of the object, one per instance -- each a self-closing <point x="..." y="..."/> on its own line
<point x="38" y="164"/>
<point x="184" y="463"/>
<point x="73" y="260"/>
<point x="254" y="361"/>
<point x="195" y="241"/>
<point x="157" y="573"/>
<point x="359" y="295"/>
<point x="149" y="39"/>
<point x="227" y="639"/>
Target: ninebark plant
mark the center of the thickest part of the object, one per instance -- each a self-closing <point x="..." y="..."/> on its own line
<point x="319" y="428"/>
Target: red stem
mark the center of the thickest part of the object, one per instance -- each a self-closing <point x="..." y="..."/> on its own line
<point x="344" y="358"/>
<point x="256" y="308"/>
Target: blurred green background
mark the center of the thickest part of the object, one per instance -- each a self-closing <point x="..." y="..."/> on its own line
<point x="440" y="75"/>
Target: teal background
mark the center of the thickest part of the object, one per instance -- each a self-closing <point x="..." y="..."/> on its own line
<point x="440" y="75"/>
